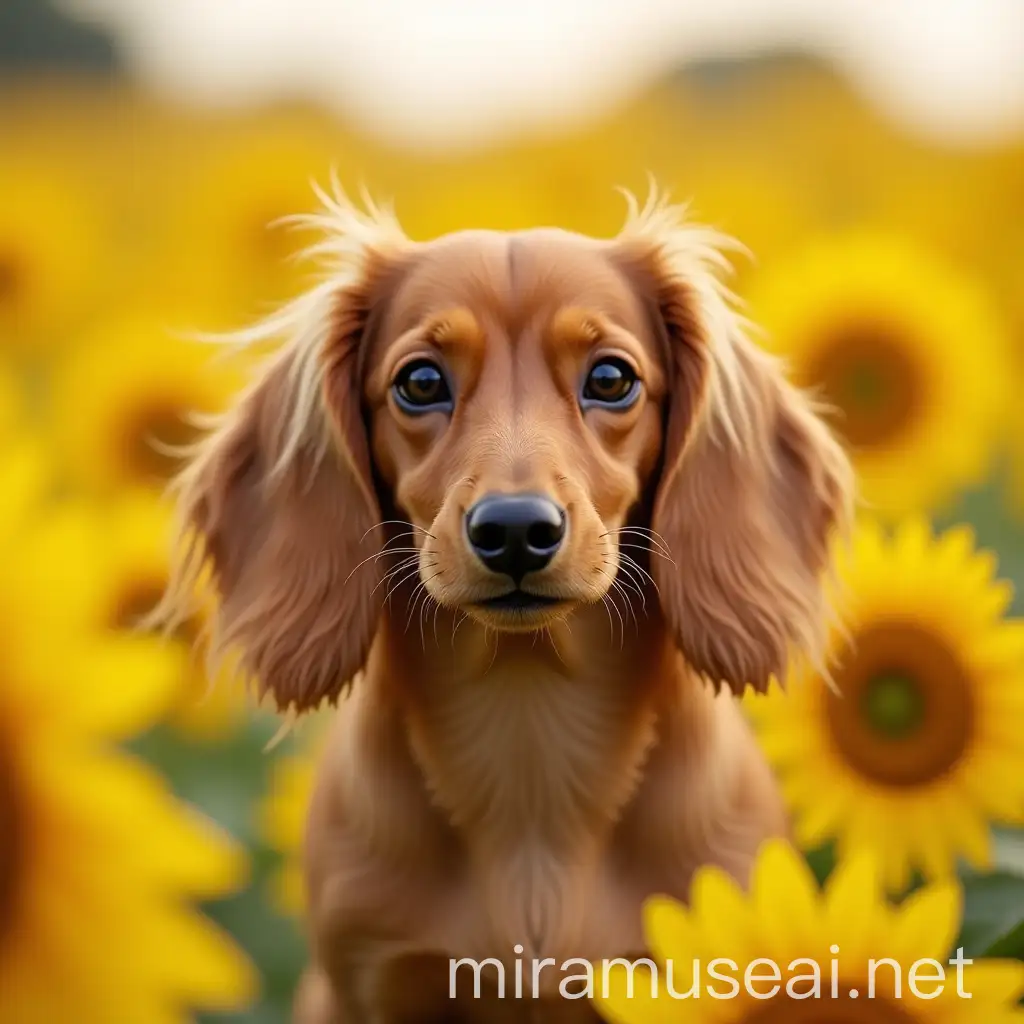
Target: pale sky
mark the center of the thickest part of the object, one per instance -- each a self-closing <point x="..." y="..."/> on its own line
<point x="457" y="72"/>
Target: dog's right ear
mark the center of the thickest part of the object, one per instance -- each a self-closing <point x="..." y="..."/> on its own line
<point x="278" y="506"/>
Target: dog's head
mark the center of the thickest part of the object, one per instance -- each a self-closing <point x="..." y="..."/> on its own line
<point x="510" y="418"/>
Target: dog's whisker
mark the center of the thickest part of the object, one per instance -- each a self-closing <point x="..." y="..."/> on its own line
<point x="632" y="584"/>
<point x="622" y="621"/>
<point x="410" y="574"/>
<point x="633" y="610"/>
<point x="397" y="537"/>
<point x="656" y="543"/>
<point x="401" y="567"/>
<point x="437" y="609"/>
<point x="418" y="591"/>
<point x="650" y="535"/>
<point x="422" y="616"/>
<point x="462" y="618"/>
<point x="554" y="645"/>
<point x="629" y="604"/>
<point x="423" y="607"/>
<point x="633" y="564"/>
<point x="650" y="551"/>
<point x="396" y="522"/>
<point x="377" y="555"/>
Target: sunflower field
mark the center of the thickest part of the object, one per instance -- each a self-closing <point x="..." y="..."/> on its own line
<point x="150" y="829"/>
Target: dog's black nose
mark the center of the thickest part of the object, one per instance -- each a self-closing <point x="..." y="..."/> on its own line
<point x="515" y="533"/>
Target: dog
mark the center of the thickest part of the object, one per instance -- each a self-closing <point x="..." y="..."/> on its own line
<point x="536" y="508"/>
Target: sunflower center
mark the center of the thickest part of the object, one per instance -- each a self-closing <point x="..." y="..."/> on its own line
<point x="10" y="844"/>
<point x="11" y="277"/>
<point x="904" y="712"/>
<point x="867" y="373"/>
<point x="137" y="600"/>
<point x="893" y="705"/>
<point x="152" y="437"/>
<point x="845" y="1010"/>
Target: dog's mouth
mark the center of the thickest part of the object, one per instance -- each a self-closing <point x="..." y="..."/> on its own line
<point x="520" y="601"/>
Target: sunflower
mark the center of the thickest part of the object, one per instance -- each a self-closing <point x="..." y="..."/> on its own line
<point x="229" y="251"/>
<point x="282" y="826"/>
<point x="916" y="747"/>
<point x="819" y="947"/>
<point x="26" y="480"/>
<point x="125" y="400"/>
<point x="1017" y="465"/>
<point x="11" y="402"/>
<point x="112" y="566"/>
<point x="99" y="864"/>
<point x="51" y="242"/>
<point x="912" y="357"/>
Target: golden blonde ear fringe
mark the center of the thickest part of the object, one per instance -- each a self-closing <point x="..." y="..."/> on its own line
<point x="284" y="730"/>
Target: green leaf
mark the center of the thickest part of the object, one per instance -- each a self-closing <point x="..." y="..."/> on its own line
<point x="822" y="861"/>
<point x="993" y="914"/>
<point x="1008" y="851"/>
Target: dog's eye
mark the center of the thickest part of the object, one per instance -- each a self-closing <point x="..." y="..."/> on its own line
<point x="421" y="386"/>
<point x="611" y="382"/>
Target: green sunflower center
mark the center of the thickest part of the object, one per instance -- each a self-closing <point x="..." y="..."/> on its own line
<point x="868" y="374"/>
<point x="893" y="705"/>
<point x="904" y="711"/>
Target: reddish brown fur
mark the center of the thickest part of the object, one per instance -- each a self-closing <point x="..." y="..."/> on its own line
<point x="496" y="780"/>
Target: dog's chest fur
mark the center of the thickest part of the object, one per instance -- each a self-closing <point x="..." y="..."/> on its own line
<point x="532" y="764"/>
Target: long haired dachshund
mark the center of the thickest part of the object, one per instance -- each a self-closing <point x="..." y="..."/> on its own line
<point x="536" y="509"/>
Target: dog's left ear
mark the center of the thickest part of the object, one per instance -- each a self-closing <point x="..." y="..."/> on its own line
<point x="752" y="484"/>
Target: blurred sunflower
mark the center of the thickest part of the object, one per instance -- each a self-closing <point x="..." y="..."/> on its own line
<point x="99" y="864"/>
<point x="111" y="564"/>
<point x="51" y="249"/>
<point x="11" y="402"/>
<point x="231" y="256"/>
<point x="1017" y="464"/>
<point x="918" y="746"/>
<point x="125" y="399"/>
<point x="482" y="191"/>
<point x="282" y="822"/>
<point x="913" y="358"/>
<point x="787" y="920"/>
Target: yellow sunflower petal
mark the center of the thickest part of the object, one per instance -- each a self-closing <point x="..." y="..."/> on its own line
<point x="717" y="898"/>
<point x="847" y="911"/>
<point x="784" y="891"/>
<point x="668" y="930"/>
<point x="927" y="922"/>
<point x="128" y="683"/>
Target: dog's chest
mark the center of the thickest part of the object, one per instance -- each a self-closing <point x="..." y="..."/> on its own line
<point x="523" y="751"/>
<point x="532" y="766"/>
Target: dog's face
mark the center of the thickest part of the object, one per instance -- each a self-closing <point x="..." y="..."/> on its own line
<point x="521" y="401"/>
<point x="515" y="390"/>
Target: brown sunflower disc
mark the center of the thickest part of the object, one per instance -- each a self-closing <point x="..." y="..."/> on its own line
<point x="868" y="375"/>
<point x="913" y="741"/>
<point x="11" y="837"/>
<point x="146" y="437"/>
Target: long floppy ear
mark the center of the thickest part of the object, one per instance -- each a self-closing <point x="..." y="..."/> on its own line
<point x="752" y="483"/>
<point x="278" y="503"/>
